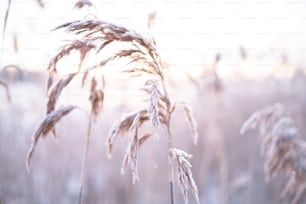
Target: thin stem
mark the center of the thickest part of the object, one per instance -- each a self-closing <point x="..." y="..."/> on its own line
<point x="84" y="162"/>
<point x="6" y="18"/>
<point x="170" y="146"/>
<point x="4" y="26"/>
<point x="170" y="143"/>
<point x="1" y="195"/>
<point x="171" y="192"/>
<point x="2" y="48"/>
<point x="171" y="169"/>
<point x="8" y="95"/>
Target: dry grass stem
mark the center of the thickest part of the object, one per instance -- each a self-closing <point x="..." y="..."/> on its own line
<point x="283" y="149"/>
<point x="185" y="178"/>
<point x="85" y="157"/>
<point x="5" y="20"/>
<point x="7" y="91"/>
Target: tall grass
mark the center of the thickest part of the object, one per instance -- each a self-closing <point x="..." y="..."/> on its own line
<point x="144" y="64"/>
<point x="282" y="147"/>
<point x="209" y="89"/>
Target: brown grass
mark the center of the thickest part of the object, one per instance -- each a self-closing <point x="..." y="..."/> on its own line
<point x="82" y="3"/>
<point x="282" y="147"/>
<point x="124" y="126"/>
<point x="184" y="173"/>
<point x="96" y="96"/>
<point x="56" y="91"/>
<point x="78" y="45"/>
<point x="192" y="123"/>
<point x="45" y="127"/>
<point x="144" y="60"/>
<point x="210" y="91"/>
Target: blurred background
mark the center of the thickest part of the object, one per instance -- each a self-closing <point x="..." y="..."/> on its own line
<point x="226" y="58"/>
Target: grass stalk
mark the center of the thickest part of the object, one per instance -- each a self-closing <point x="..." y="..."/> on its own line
<point x="84" y="162"/>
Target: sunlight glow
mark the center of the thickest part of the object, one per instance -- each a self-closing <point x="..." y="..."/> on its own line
<point x="188" y="33"/>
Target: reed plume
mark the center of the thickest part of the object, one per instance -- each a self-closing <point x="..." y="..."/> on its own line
<point x="283" y="149"/>
<point x="144" y="62"/>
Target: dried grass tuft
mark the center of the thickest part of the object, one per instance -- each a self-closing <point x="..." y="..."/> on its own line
<point x="143" y="59"/>
<point x="45" y="127"/>
<point x="132" y="150"/>
<point x="96" y="97"/>
<point x="190" y="119"/>
<point x="82" y="3"/>
<point x="56" y="91"/>
<point x="78" y="45"/>
<point x="153" y="108"/>
<point x="144" y="138"/>
<point x="185" y="178"/>
<point x="105" y="33"/>
<point x="263" y="119"/>
<point x="133" y="147"/>
<point x="283" y="149"/>
<point x="124" y="126"/>
<point x="192" y="123"/>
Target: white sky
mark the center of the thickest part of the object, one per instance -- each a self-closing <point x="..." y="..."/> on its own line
<point x="188" y="33"/>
